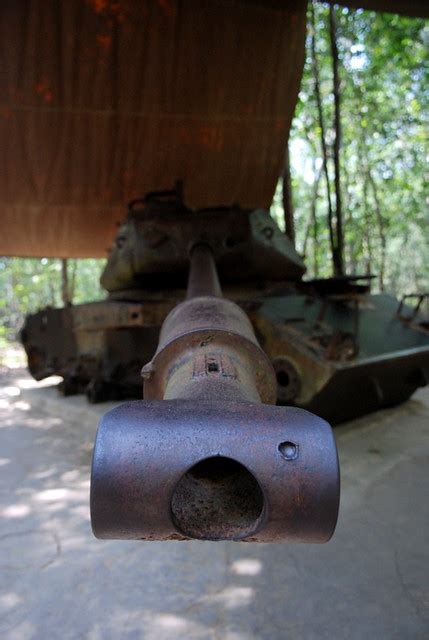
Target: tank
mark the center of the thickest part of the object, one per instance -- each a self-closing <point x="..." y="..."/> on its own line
<point x="337" y="350"/>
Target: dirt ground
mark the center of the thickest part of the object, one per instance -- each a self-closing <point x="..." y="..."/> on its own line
<point x="57" y="581"/>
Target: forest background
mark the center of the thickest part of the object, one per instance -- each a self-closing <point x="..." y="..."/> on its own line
<point x="353" y="193"/>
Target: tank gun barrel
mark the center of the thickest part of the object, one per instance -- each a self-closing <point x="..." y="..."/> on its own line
<point x="203" y="277"/>
<point x="207" y="454"/>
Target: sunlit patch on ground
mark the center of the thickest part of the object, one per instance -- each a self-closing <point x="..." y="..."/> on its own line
<point x="246" y="567"/>
<point x="58" y="581"/>
<point x="13" y="356"/>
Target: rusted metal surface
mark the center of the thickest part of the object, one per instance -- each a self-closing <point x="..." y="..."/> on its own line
<point x="50" y="342"/>
<point x="104" y="354"/>
<point x="207" y="346"/>
<point x="152" y="247"/>
<point x="146" y="482"/>
<point x="119" y="315"/>
<point x="203" y="278"/>
<point x="378" y="361"/>
<point x="202" y="456"/>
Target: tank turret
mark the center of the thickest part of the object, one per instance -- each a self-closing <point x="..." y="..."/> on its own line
<point x="151" y="250"/>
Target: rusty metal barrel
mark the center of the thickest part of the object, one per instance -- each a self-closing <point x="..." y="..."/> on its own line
<point x="206" y="454"/>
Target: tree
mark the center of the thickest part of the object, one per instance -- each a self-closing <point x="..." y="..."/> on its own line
<point x="339" y="258"/>
<point x="379" y="172"/>
<point x="287" y="201"/>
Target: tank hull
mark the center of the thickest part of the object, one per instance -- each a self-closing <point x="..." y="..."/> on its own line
<point x="338" y="355"/>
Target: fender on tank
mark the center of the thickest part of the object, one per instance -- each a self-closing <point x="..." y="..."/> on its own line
<point x="206" y="455"/>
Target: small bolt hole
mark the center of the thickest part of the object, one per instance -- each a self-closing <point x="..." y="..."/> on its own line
<point x="212" y="367"/>
<point x="283" y="378"/>
<point x="289" y="450"/>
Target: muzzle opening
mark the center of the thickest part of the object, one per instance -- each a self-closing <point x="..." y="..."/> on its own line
<point x="217" y="499"/>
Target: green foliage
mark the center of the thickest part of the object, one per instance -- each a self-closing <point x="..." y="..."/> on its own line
<point x="384" y="114"/>
<point x="28" y="284"/>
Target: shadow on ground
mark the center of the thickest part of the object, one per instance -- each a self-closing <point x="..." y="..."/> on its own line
<point x="57" y="581"/>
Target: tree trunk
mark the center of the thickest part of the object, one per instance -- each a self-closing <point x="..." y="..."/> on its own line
<point x="322" y="137"/>
<point x="65" y="291"/>
<point x="367" y="223"/>
<point x="314" y="222"/>
<point x="348" y="223"/>
<point x="287" y="198"/>
<point x="72" y="286"/>
<point x="381" y="231"/>
<point x="337" y="144"/>
<point x="306" y="238"/>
